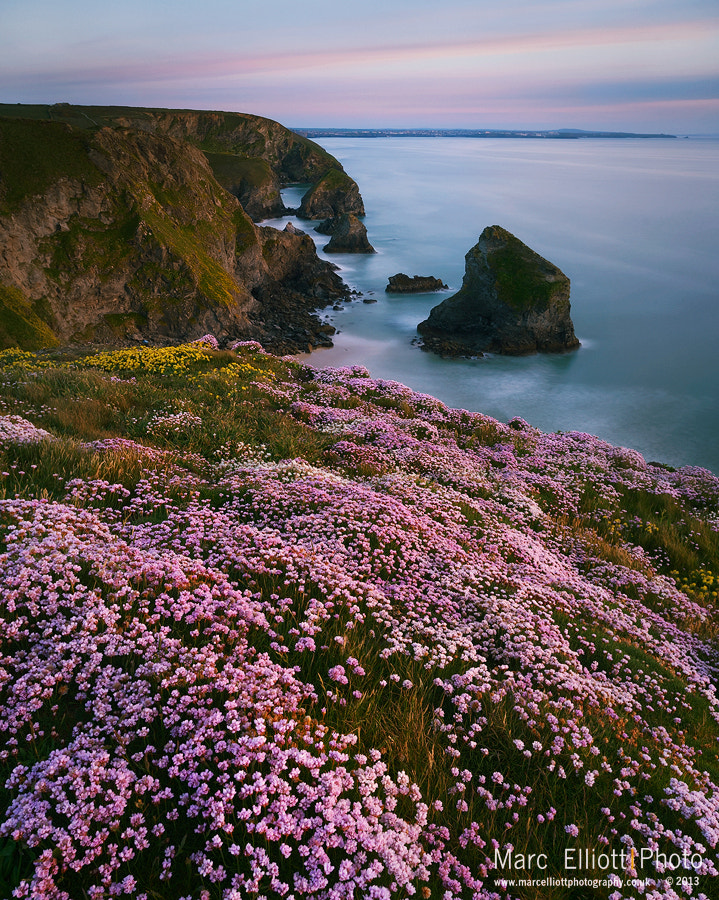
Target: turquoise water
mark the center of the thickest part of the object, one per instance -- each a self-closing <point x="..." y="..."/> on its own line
<point x="633" y="223"/>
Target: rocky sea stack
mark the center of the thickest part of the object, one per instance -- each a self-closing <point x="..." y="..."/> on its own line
<point x="348" y="235"/>
<point x="417" y="284"/>
<point x="511" y="301"/>
<point x="333" y="194"/>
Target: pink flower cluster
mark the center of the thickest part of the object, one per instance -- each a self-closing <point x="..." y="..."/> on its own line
<point x="186" y="664"/>
<point x="16" y="430"/>
<point x="208" y="340"/>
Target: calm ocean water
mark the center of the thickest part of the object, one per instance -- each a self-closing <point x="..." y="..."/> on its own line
<point x="633" y="223"/>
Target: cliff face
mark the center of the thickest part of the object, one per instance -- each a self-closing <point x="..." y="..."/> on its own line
<point x="511" y="301"/>
<point x="123" y="233"/>
<point x="251" y="156"/>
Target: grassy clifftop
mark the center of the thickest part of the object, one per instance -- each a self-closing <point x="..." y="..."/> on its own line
<point x="34" y="155"/>
<point x="277" y="631"/>
<point x="240" y="136"/>
<point x="246" y="135"/>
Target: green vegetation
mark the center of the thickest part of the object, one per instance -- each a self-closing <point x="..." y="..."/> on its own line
<point x="34" y="155"/>
<point x="20" y="326"/>
<point x="232" y="170"/>
<point x="243" y="134"/>
<point x="520" y="279"/>
<point x="92" y="243"/>
<point x="334" y="180"/>
<point x="209" y="276"/>
<point x="531" y="657"/>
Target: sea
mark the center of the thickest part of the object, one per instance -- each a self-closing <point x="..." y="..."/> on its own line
<point x="634" y="223"/>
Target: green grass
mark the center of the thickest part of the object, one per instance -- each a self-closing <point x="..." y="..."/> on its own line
<point x="334" y="180"/>
<point x="209" y="276"/>
<point x="232" y="170"/>
<point x="35" y="154"/>
<point x="20" y="326"/>
<point x="520" y="281"/>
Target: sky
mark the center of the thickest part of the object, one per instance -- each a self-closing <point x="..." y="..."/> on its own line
<point x="628" y="65"/>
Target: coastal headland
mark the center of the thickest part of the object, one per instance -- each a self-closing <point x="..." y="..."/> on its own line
<point x="122" y="224"/>
<point x="270" y="630"/>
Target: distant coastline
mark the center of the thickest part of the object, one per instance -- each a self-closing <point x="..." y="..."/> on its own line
<point x="560" y="134"/>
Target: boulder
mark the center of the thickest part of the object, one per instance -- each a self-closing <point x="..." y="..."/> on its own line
<point x="349" y="235"/>
<point x="511" y="301"/>
<point x="417" y="284"/>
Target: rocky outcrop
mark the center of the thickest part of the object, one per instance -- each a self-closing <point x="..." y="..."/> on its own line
<point x="417" y="284"/>
<point x="348" y="235"/>
<point x="20" y="324"/>
<point x="118" y="234"/>
<point x="253" y="181"/>
<point x="511" y="301"/>
<point x="301" y="282"/>
<point x="335" y="193"/>
<point x="251" y="156"/>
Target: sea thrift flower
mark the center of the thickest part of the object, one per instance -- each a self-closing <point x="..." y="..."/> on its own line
<point x="177" y="636"/>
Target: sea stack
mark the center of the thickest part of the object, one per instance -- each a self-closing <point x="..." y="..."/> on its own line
<point x="349" y="235"/>
<point x="512" y="301"/>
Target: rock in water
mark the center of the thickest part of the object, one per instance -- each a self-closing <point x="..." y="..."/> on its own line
<point x="418" y="284"/>
<point x="335" y="193"/>
<point x="349" y="235"/>
<point x="511" y="301"/>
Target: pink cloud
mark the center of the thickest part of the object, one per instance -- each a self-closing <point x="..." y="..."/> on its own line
<point x="230" y="64"/>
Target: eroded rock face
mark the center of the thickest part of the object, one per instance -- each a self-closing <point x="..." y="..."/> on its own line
<point x="253" y="181"/>
<point x="334" y="194"/>
<point x="417" y="284"/>
<point x="348" y="235"/>
<point x="511" y="301"/>
<point x="128" y="236"/>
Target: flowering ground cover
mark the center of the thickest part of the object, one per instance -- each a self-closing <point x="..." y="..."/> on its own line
<point x="270" y="631"/>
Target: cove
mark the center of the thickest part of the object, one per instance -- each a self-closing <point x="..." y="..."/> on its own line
<point x="633" y="223"/>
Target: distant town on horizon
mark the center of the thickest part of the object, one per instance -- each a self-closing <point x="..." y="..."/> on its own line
<point x="560" y="133"/>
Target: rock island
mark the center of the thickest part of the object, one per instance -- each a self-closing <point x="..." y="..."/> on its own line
<point x="511" y="301"/>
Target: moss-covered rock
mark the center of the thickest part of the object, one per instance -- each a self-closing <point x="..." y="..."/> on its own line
<point x="511" y="301"/>
<point x="334" y="194"/>
<point x="253" y="181"/>
<point x="20" y="325"/>
<point x="124" y="233"/>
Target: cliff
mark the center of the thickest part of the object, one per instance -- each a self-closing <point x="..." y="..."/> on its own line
<point x="251" y="156"/>
<point x="511" y="301"/>
<point x="120" y="230"/>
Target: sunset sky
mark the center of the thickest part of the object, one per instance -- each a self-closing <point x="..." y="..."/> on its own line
<point x="637" y="65"/>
